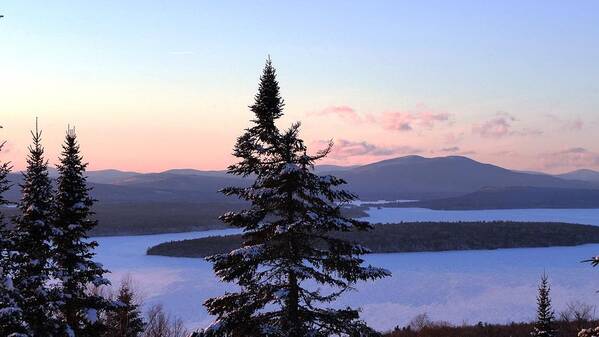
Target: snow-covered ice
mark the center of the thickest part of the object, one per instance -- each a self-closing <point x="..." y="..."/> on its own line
<point x="180" y="284"/>
<point x="391" y="215"/>
<point x="378" y="202"/>
<point x="492" y="286"/>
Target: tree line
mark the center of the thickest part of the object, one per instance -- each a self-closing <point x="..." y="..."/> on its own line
<point x="419" y="237"/>
<point x="46" y="259"/>
<point x="49" y="284"/>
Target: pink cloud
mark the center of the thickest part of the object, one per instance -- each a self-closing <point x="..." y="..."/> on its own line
<point x="576" y="157"/>
<point x="342" y="111"/>
<point x="527" y="132"/>
<point x="575" y="124"/>
<point x="407" y="121"/>
<point x="451" y="149"/>
<point x="392" y="120"/>
<point x="345" y="148"/>
<point x="453" y="138"/>
<point x="501" y="126"/>
<point x="455" y="151"/>
<point x="497" y="127"/>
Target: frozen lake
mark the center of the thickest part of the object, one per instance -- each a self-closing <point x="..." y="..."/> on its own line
<point x="472" y="286"/>
<point x="390" y="215"/>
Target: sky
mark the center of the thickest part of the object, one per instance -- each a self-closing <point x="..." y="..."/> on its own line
<point x="154" y="85"/>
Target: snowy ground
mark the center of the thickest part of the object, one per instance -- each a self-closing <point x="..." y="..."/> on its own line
<point x="492" y="286"/>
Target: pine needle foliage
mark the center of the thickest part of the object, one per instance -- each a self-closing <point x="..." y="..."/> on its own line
<point x="34" y="234"/>
<point x="73" y="251"/>
<point x="290" y="269"/>
<point x="11" y="315"/>
<point x="545" y="315"/>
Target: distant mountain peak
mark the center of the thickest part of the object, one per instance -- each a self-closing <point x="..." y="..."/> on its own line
<point x="418" y="160"/>
<point x="585" y="171"/>
<point x="417" y="177"/>
<point x="581" y="174"/>
<point x="411" y="159"/>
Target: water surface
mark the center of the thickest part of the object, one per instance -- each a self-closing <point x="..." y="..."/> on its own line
<point x="472" y="286"/>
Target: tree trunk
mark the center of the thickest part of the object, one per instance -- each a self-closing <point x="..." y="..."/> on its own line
<point x="293" y="307"/>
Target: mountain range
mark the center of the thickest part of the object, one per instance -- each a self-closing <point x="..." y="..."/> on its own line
<point x="188" y="199"/>
<point x="517" y="197"/>
<point x="410" y="177"/>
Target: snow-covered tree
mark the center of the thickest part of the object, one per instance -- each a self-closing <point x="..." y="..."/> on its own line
<point x="11" y="315"/>
<point x="544" y="324"/>
<point x="290" y="266"/>
<point x="592" y="332"/>
<point x="34" y="233"/>
<point x="125" y="320"/>
<point x="73" y="251"/>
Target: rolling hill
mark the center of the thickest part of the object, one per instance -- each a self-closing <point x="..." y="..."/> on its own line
<point x="152" y="187"/>
<point x="182" y="199"/>
<point x="411" y="177"/>
<point x="518" y="197"/>
<point x="582" y="175"/>
<point x="420" y="178"/>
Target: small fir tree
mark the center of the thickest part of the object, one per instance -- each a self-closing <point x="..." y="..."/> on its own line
<point x="544" y="324"/>
<point x="34" y="233"/>
<point x="125" y="319"/>
<point x="73" y="251"/>
<point x="11" y="315"/>
<point x="289" y="251"/>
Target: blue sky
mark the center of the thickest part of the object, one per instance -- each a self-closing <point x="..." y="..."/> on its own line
<point x="508" y="82"/>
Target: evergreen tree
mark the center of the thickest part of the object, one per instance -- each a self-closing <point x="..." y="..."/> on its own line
<point x="34" y="232"/>
<point x="591" y="332"/>
<point x="11" y="315"/>
<point x="73" y="250"/>
<point x="544" y="323"/>
<point x="288" y="252"/>
<point x="125" y="320"/>
<point x="255" y="147"/>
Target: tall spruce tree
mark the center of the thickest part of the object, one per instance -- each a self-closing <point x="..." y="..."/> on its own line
<point x="73" y="251"/>
<point x="289" y="253"/>
<point x="125" y="320"/>
<point x="255" y="147"/>
<point x="544" y="324"/>
<point x="34" y="233"/>
<point x="11" y="315"/>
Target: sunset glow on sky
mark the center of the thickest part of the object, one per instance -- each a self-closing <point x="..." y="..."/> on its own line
<point x="152" y="86"/>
